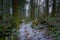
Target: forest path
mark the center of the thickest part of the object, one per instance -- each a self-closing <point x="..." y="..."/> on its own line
<point x="27" y="33"/>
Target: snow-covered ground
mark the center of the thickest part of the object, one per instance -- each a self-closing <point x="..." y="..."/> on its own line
<point x="27" y="33"/>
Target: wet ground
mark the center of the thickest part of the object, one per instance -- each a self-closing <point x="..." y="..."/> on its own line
<point x="25" y="32"/>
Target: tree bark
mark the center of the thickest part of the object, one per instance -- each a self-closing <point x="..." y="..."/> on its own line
<point x="32" y="10"/>
<point x="46" y="10"/>
<point x="15" y="13"/>
<point x="54" y="8"/>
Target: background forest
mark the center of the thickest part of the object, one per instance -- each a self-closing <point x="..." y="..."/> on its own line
<point x="43" y="12"/>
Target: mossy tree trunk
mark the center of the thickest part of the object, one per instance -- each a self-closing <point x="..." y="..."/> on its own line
<point x="15" y="13"/>
<point x="32" y="10"/>
<point x="54" y="8"/>
<point x="46" y="10"/>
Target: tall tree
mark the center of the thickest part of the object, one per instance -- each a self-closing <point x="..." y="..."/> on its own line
<point x="1" y="10"/>
<point x="58" y="8"/>
<point x="46" y="9"/>
<point x="15" y="13"/>
<point x="32" y="10"/>
<point x="54" y="8"/>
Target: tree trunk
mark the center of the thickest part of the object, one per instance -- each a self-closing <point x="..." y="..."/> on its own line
<point x="46" y="10"/>
<point x="1" y="10"/>
<point x="15" y="13"/>
<point x="54" y="8"/>
<point x="32" y="10"/>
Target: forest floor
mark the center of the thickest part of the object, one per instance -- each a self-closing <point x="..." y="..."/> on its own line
<point x="26" y="32"/>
